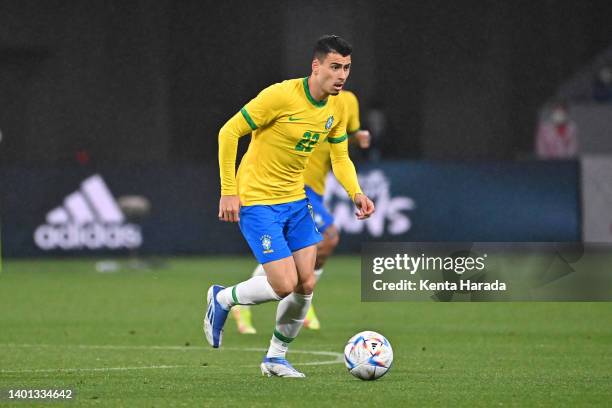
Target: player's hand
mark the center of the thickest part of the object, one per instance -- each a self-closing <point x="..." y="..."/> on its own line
<point x="229" y="208"/>
<point x="363" y="138"/>
<point x="365" y="206"/>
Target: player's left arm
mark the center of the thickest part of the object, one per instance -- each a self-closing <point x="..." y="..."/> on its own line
<point x="353" y="124"/>
<point x="344" y="170"/>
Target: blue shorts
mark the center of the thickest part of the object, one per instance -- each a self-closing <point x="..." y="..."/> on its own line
<point x="322" y="217"/>
<point x="276" y="231"/>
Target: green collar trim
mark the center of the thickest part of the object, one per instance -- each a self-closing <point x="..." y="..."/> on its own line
<point x="318" y="104"/>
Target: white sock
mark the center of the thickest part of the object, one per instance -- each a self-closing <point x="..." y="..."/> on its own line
<point x="318" y="273"/>
<point x="290" y="315"/>
<point x="250" y="292"/>
<point x="259" y="271"/>
<point x="277" y="348"/>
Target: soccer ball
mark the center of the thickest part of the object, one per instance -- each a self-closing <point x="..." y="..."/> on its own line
<point x="368" y="355"/>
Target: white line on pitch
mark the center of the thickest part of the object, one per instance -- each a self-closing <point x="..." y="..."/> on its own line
<point x="173" y="348"/>
<point x="338" y="356"/>
<point x="61" y="370"/>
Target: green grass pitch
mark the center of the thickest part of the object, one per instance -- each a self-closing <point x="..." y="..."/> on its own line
<point x="133" y="338"/>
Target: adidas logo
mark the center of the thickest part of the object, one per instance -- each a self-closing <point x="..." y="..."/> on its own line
<point x="89" y="218"/>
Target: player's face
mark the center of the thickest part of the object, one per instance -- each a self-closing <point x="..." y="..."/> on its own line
<point x="332" y="72"/>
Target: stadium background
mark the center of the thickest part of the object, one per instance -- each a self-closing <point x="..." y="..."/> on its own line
<point x="136" y="92"/>
<point x="132" y="94"/>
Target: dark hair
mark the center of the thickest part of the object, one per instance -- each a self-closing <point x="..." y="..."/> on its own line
<point x="331" y="43"/>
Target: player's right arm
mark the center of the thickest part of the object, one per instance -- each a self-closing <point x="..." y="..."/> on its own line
<point x="259" y="112"/>
<point x="234" y="129"/>
<point x="344" y="170"/>
<point x="353" y="124"/>
<point x="342" y="166"/>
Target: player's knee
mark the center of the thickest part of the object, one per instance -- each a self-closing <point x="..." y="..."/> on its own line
<point x="285" y="287"/>
<point x="306" y="285"/>
<point x="283" y="291"/>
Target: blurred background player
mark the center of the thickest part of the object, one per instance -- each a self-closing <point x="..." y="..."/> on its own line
<point x="319" y="165"/>
<point x="287" y="120"/>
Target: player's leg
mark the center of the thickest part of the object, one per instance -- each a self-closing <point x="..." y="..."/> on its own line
<point x="326" y="248"/>
<point x="242" y="313"/>
<point x="220" y="300"/>
<point x="244" y="319"/>
<point x="324" y="251"/>
<point x="325" y="224"/>
<point x="280" y="281"/>
<point x="302" y="237"/>
<point x="265" y="236"/>
<point x="290" y="314"/>
<point x="291" y="311"/>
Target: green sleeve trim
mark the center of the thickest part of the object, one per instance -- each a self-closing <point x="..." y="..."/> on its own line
<point x="318" y="104"/>
<point x="335" y="140"/>
<point x="234" y="297"/>
<point x="282" y="338"/>
<point x="352" y="132"/>
<point x="248" y="118"/>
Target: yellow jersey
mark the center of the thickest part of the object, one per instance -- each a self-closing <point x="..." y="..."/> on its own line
<point x="287" y="125"/>
<point x="320" y="161"/>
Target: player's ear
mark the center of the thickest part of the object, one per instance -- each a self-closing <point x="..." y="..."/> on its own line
<point x="315" y="65"/>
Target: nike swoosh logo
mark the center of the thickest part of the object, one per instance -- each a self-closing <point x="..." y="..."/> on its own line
<point x="292" y="119"/>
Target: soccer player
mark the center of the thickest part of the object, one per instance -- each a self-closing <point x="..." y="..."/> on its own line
<point x="315" y="176"/>
<point x="266" y="197"/>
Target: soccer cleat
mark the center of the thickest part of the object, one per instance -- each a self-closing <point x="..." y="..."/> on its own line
<point x="311" y="321"/>
<point x="215" y="317"/>
<point x="279" y="367"/>
<point x="242" y="315"/>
